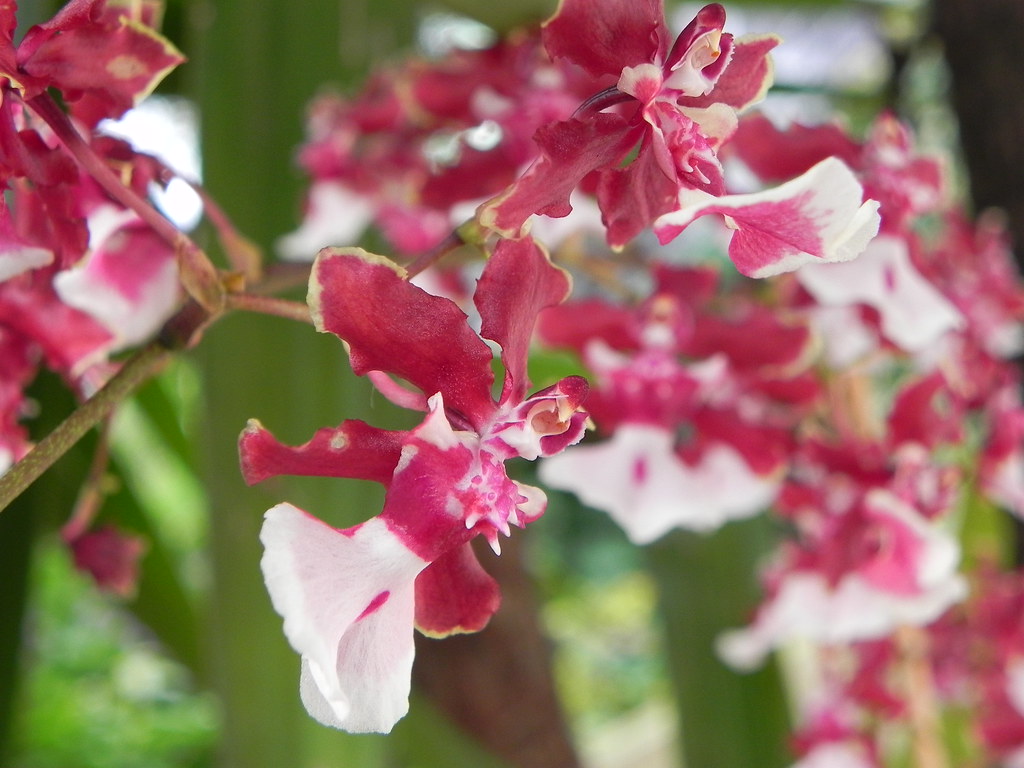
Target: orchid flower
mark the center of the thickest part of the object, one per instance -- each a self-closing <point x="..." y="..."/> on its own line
<point x="350" y="598"/>
<point x="651" y="142"/>
<point x="692" y="408"/>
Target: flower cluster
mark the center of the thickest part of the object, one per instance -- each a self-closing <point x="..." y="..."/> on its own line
<point x="81" y="274"/>
<point x="604" y="106"/>
<point x="870" y="405"/>
<point x="864" y="396"/>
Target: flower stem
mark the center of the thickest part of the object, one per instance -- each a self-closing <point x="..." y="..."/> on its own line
<point x="270" y="305"/>
<point x="919" y="690"/>
<point x="136" y="370"/>
<point x="449" y="244"/>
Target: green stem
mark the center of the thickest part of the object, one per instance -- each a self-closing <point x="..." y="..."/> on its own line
<point x="135" y="371"/>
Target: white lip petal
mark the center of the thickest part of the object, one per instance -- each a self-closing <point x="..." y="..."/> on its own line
<point x="637" y="478"/>
<point x="347" y="602"/>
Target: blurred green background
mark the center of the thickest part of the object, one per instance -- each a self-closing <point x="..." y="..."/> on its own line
<point x="194" y="670"/>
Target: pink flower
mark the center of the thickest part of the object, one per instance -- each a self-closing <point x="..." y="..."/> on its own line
<point x="697" y="405"/>
<point x="110" y="557"/>
<point x="350" y="598"/>
<point x="894" y="568"/>
<point x="649" y="146"/>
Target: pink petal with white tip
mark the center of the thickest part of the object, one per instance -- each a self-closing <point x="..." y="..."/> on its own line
<point x="806" y="607"/>
<point x="818" y="216"/>
<point x="863" y="604"/>
<point x="17" y="255"/>
<point x="347" y="601"/>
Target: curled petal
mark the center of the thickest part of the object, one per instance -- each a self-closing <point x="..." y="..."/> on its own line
<point x="518" y="282"/>
<point x="816" y="217"/>
<point x="548" y="421"/>
<point x="747" y="78"/>
<point x="700" y="54"/>
<point x="347" y="602"/>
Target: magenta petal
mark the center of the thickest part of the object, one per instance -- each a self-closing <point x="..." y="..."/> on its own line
<point x="777" y="155"/>
<point x="607" y="36"/>
<point x="99" y="57"/>
<point x="631" y="198"/>
<point x="111" y="557"/>
<point x="454" y="594"/>
<point x="16" y="254"/>
<point x="129" y="283"/>
<point x="575" y="325"/>
<point x="448" y="488"/>
<point x="570" y="150"/>
<point x="353" y="449"/>
<point x="393" y="326"/>
<point x="517" y="283"/>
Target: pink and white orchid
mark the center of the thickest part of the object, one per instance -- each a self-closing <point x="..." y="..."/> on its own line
<point x="350" y="598"/>
<point x="692" y="405"/>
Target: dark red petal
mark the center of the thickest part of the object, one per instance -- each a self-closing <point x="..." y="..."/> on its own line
<point x="607" y="36"/>
<point x="765" y="449"/>
<point x="393" y="326"/>
<point x="455" y="594"/>
<point x="518" y="282"/>
<point x="759" y="338"/>
<point x="570" y="150"/>
<point x="98" y="57"/>
<point x="926" y="412"/>
<point x="575" y="325"/>
<point x="110" y="557"/>
<point x="631" y="198"/>
<point x="353" y="449"/>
